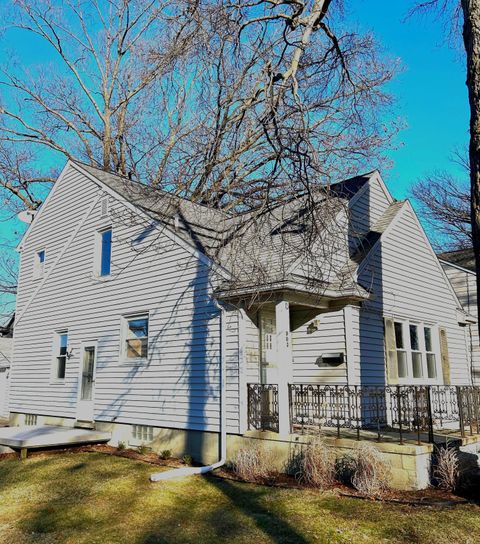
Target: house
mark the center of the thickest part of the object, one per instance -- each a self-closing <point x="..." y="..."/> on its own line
<point x="6" y="353"/>
<point x="459" y="265"/>
<point x="164" y="321"/>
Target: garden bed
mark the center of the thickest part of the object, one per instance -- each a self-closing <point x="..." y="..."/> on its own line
<point x="431" y="497"/>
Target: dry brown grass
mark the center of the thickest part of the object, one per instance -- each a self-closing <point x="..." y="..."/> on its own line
<point x="447" y="471"/>
<point x="253" y="463"/>
<point x="317" y="465"/>
<point x="371" y="473"/>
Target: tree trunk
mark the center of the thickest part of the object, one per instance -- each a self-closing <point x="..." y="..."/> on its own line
<point x="471" y="38"/>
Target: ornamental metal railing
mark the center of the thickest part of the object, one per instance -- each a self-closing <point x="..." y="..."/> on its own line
<point x="262" y="407"/>
<point x="403" y="410"/>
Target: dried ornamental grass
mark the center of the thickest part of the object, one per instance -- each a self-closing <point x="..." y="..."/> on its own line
<point x="317" y="465"/>
<point x="446" y="471"/>
<point x="252" y="463"/>
<point x="371" y="473"/>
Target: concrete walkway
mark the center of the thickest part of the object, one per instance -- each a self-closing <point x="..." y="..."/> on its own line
<point x="45" y="436"/>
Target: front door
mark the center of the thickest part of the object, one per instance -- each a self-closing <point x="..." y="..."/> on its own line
<point x="87" y="382"/>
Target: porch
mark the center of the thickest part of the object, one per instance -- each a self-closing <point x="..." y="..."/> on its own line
<point x="27" y="437"/>
<point x="402" y="414"/>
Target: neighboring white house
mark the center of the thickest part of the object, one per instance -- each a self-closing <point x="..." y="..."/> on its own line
<point x="459" y="266"/>
<point x="127" y="303"/>
<point x="6" y="353"/>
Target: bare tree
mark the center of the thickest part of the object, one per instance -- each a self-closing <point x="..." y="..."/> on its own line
<point x="224" y="103"/>
<point x="470" y="12"/>
<point x="445" y="204"/>
<point x="237" y="105"/>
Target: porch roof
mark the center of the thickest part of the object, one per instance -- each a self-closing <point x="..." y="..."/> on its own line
<point x="296" y="291"/>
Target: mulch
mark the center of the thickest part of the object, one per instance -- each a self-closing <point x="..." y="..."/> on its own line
<point x="431" y="497"/>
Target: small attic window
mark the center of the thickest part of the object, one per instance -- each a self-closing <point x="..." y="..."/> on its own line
<point x="104" y="207"/>
<point x="39" y="264"/>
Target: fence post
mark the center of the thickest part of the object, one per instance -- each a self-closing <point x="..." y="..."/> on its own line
<point x="249" y="405"/>
<point x="418" y="417"/>
<point x="290" y="407"/>
<point x="431" y="438"/>
<point x="358" y="415"/>
<point x="338" y="411"/>
<point x="377" y="411"/>
<point x="460" y="411"/>
<point x="399" y="409"/>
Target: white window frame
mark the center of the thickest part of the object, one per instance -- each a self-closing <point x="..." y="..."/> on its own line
<point x="97" y="259"/>
<point x="421" y="325"/>
<point x="123" y="338"/>
<point x="38" y="267"/>
<point x="54" y="379"/>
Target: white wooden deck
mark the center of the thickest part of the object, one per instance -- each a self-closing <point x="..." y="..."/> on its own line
<point x="45" y="436"/>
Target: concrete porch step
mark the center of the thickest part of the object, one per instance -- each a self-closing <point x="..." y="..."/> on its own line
<point x="81" y="424"/>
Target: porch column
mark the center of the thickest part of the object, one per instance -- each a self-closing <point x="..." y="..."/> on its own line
<point x="284" y="355"/>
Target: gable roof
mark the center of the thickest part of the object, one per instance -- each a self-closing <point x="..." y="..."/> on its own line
<point x="348" y="188"/>
<point x="464" y="258"/>
<point x="255" y="240"/>
<point x="367" y="243"/>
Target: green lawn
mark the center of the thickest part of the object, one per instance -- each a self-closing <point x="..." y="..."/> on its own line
<point x="91" y="497"/>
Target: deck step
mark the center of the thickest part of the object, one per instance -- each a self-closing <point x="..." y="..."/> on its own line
<point x="79" y="424"/>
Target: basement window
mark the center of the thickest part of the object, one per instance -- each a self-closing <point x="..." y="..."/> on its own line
<point x="31" y="419"/>
<point x="141" y="434"/>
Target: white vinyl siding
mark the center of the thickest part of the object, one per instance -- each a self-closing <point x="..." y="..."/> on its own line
<point x="179" y="387"/>
<point x="407" y="283"/>
<point x="368" y="207"/>
<point x="464" y="284"/>
<point x="308" y="346"/>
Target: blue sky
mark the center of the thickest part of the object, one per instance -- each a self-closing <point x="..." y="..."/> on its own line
<point x="430" y="92"/>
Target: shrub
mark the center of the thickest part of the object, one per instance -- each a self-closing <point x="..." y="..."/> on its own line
<point x="187" y="459"/>
<point x="121" y="446"/>
<point x="446" y="471"/>
<point x="143" y="449"/>
<point x="252" y="463"/>
<point x="165" y="454"/>
<point x="371" y="472"/>
<point x="317" y="465"/>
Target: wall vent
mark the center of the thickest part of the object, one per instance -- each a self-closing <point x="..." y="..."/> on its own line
<point x="104" y="207"/>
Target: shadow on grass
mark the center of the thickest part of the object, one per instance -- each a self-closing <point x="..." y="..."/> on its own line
<point x="249" y="500"/>
<point x="226" y="522"/>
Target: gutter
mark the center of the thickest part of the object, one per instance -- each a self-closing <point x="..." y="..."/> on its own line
<point x="189" y="471"/>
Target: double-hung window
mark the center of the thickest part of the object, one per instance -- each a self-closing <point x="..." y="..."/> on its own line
<point x="134" y="340"/>
<point x="417" y="350"/>
<point x="60" y="355"/>
<point x="103" y="258"/>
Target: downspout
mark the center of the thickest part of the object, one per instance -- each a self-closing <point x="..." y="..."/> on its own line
<point x="188" y="471"/>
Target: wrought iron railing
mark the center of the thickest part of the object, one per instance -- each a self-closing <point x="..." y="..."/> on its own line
<point x="402" y="410"/>
<point x="263" y="407"/>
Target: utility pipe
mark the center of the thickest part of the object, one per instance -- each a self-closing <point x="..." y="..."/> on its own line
<point x="188" y="471"/>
